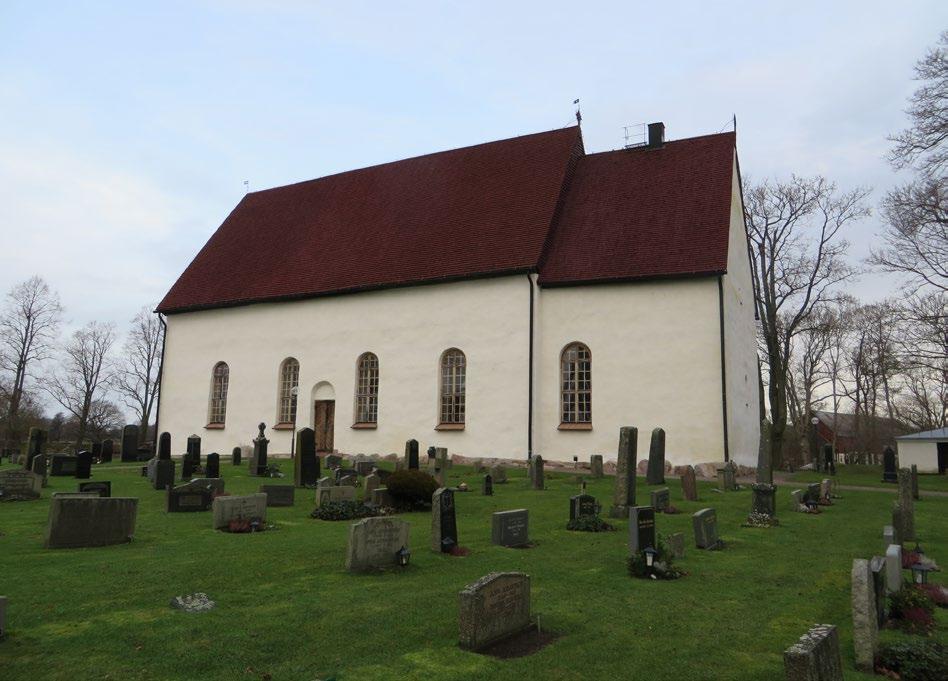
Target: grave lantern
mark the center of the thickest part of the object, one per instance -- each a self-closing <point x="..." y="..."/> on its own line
<point x="920" y="573"/>
<point x="650" y="554"/>
<point x="403" y="555"/>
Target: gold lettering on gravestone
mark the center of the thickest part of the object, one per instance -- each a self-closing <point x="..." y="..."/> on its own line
<point x="503" y="599"/>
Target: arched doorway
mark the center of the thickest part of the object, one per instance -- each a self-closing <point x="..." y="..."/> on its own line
<point x="323" y="399"/>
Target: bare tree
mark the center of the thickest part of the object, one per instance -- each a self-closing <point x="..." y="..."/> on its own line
<point x="916" y="238"/>
<point x="797" y="257"/>
<point x="809" y="375"/>
<point x="104" y="418"/>
<point x="86" y="368"/>
<point x="137" y="377"/>
<point x="28" y="328"/>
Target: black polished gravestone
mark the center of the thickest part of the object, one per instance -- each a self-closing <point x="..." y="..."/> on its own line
<point x="213" y="467"/>
<point x="164" y="474"/>
<point x="84" y="465"/>
<point x="829" y="461"/>
<point x="103" y="488"/>
<point x="130" y="443"/>
<point x="235" y="455"/>
<point x="34" y="447"/>
<point x="411" y="455"/>
<point x="889" y="472"/>
<point x="582" y="504"/>
<point x="641" y="529"/>
<point x="62" y="465"/>
<point x="164" y="445"/>
<point x="188" y="499"/>
<point x="108" y="450"/>
<point x="444" y="524"/>
<point x="97" y="451"/>
<point x="488" y="488"/>
<point x="144" y="452"/>
<point x="258" y="461"/>
<point x="194" y="448"/>
<point x="306" y="466"/>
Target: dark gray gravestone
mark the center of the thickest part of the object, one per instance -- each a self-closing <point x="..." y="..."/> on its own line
<point x="595" y="465"/>
<point x="164" y="474"/>
<point x="538" y="477"/>
<point x="812" y="495"/>
<point x="79" y="521"/>
<point x="108" y="451"/>
<point x="96" y="451"/>
<point x="364" y="468"/>
<point x="187" y="467"/>
<point x="341" y="473"/>
<point x="815" y="657"/>
<point x="580" y="505"/>
<point x="306" y="467"/>
<point x="889" y="473"/>
<point x="705" y="525"/>
<point x="34" y="447"/>
<point x="689" y="484"/>
<point x="877" y="568"/>
<point x="488" y="486"/>
<point x="764" y="499"/>
<point x="411" y="454"/>
<point x="510" y="528"/>
<point x="661" y="499"/>
<point x="624" y="496"/>
<point x="641" y="529"/>
<point x="188" y="498"/>
<point x="656" y="458"/>
<point x="915" y="494"/>
<point x="164" y="445"/>
<point x="258" y="461"/>
<point x="194" y="448"/>
<point x="829" y="461"/>
<point x="62" y="465"/>
<point x="41" y="467"/>
<point x="235" y="456"/>
<point x="444" y="525"/>
<point x="333" y="461"/>
<point x="213" y="467"/>
<point x="278" y="495"/>
<point x="493" y="608"/>
<point x="130" y="443"/>
<point x="144" y="452"/>
<point x="84" y="465"/>
<point x="102" y="488"/>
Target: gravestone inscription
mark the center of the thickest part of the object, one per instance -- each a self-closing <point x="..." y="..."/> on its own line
<point x="511" y="528"/>
<point x="188" y="498"/>
<point x="641" y="529"/>
<point x="249" y="507"/>
<point x="374" y="543"/>
<point x="582" y="505"/>
<point x="660" y="499"/>
<point x="62" y="465"/>
<point x="444" y="526"/>
<point x="17" y="484"/>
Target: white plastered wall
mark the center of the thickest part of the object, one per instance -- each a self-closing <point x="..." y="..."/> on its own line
<point x="740" y="341"/>
<point x="921" y="453"/>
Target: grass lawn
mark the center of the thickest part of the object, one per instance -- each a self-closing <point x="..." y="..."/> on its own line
<point x="286" y="609"/>
<point x="870" y="476"/>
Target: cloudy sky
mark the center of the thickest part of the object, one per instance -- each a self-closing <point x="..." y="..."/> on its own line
<point x="127" y="129"/>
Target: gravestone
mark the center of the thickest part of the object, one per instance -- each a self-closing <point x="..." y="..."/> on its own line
<point x="130" y="443"/>
<point x="829" y="461"/>
<point x="705" y="525"/>
<point x="765" y="467"/>
<point x="660" y="499"/>
<point x="907" y="506"/>
<point x="335" y="494"/>
<point x="102" y="488"/>
<point x="349" y="481"/>
<point x="164" y="445"/>
<point x="84" y="465"/>
<point x="889" y="536"/>
<point x="374" y="543"/>
<point x="188" y="498"/>
<point x="624" y="496"/>
<point x="40" y="467"/>
<point x="187" y="467"/>
<point x="889" y="473"/>
<point x="726" y="480"/>
<point x="487" y="488"/>
<point x="865" y="623"/>
<point x="215" y="485"/>
<point x="97" y="451"/>
<point x="676" y="544"/>
<point x="582" y="505"/>
<point x="812" y="495"/>
<point x="826" y="490"/>
<point x="537" y="477"/>
<point x="17" y="484"/>
<point x="444" y="525"/>
<point x="655" y="474"/>
<point x="213" y="467"/>
<point x="80" y="521"/>
<point x="510" y="528"/>
<point x="764" y="499"/>
<point x="492" y="609"/>
<point x="815" y="657"/>
<point x="235" y="455"/>
<point x="371" y="483"/>
<point x="144" y="452"/>
<point x="796" y="500"/>
<point x="689" y="484"/>
<point x="108" y="450"/>
<point x="306" y="465"/>
<point x="595" y="465"/>
<point x="164" y="474"/>
<point x="249" y="507"/>
<point x="897" y="522"/>
<point x="641" y="529"/>
<point x="381" y="498"/>
<point x="333" y="461"/>
<point x="441" y="458"/>
<point x="498" y="474"/>
<point x="34" y="446"/>
<point x="877" y="568"/>
<point x="411" y="455"/>
<point x="341" y="473"/>
<point x="62" y="465"/>
<point x="279" y="495"/>
<point x="364" y="468"/>
<point x="914" y="471"/>
<point x="893" y="568"/>
<point x="258" y="460"/>
<point x="194" y="448"/>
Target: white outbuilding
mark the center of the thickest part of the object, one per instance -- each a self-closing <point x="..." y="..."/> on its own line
<point x="928" y="450"/>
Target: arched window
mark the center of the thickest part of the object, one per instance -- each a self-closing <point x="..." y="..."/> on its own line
<point x="289" y="379"/>
<point x="453" y="366"/>
<point x="367" y="389"/>
<point x="219" y="381"/>
<point x="576" y="384"/>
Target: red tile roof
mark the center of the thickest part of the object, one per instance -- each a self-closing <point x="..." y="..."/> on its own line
<point x="523" y="204"/>
<point x="645" y="213"/>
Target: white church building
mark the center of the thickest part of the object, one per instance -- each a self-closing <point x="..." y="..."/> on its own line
<point x="519" y="296"/>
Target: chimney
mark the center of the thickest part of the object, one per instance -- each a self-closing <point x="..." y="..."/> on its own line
<point x="656" y="135"/>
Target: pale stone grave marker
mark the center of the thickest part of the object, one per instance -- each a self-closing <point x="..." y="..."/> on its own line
<point x="493" y="608"/>
<point x="80" y="521"/>
<point x="815" y="657"/>
<point x="249" y="507"/>
<point x="374" y="543"/>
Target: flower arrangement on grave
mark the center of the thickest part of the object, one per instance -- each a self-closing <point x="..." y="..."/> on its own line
<point x="344" y="510"/>
<point x="912" y="610"/>
<point x="411" y="489"/>
<point x="760" y="520"/>
<point x="247" y="525"/>
<point x="913" y="660"/>
<point x="589" y="523"/>
<point x="662" y="566"/>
